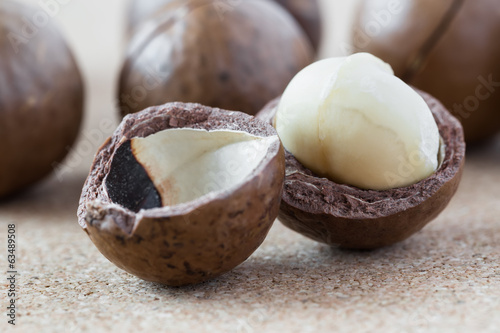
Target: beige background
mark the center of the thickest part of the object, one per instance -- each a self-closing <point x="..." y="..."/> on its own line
<point x="444" y="279"/>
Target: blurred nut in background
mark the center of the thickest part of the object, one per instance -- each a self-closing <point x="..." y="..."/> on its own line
<point x="41" y="96"/>
<point x="305" y="12"/>
<point x="449" y="48"/>
<point x="235" y="58"/>
<point x="308" y="15"/>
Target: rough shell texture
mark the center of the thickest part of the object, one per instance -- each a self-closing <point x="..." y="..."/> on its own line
<point x="191" y="242"/>
<point x="41" y="98"/>
<point x="448" y="48"/>
<point x="193" y="51"/>
<point x="349" y="217"/>
<point x="306" y="13"/>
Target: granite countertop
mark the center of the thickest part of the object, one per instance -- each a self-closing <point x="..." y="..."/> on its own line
<point x="445" y="278"/>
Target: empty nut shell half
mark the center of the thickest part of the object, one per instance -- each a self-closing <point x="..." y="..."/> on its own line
<point x="348" y="217"/>
<point x="182" y="192"/>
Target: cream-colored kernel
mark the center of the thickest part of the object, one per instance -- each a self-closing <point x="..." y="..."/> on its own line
<point x="353" y="121"/>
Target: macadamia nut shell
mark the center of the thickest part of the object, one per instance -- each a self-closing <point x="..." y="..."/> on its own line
<point x="348" y="217"/>
<point x="194" y="241"/>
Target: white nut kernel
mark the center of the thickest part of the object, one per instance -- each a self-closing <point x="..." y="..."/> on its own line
<point x="185" y="164"/>
<point x="353" y="121"/>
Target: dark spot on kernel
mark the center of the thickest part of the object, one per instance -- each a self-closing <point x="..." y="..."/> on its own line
<point x="128" y="184"/>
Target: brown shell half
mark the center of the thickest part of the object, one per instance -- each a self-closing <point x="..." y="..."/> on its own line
<point x="194" y="241"/>
<point x="349" y="217"/>
<point x="41" y="97"/>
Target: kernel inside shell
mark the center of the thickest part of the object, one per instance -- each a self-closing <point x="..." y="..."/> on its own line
<point x="176" y="166"/>
<point x="185" y="242"/>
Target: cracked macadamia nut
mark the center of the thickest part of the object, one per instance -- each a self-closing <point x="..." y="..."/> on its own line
<point x="351" y="120"/>
<point x="192" y="51"/>
<point x="41" y="98"/>
<point x="182" y="192"/>
<point x="448" y="48"/>
<point x="346" y="124"/>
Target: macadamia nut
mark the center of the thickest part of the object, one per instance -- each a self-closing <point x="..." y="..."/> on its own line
<point x="350" y="119"/>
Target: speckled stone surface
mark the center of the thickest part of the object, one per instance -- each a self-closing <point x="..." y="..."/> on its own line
<point x="445" y="278"/>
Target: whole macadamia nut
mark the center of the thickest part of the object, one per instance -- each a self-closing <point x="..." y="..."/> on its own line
<point x="236" y="58"/>
<point x="307" y="14"/>
<point x="448" y="48"/>
<point x="41" y="97"/>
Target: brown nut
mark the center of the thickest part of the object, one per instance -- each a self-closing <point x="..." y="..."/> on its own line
<point x="41" y="98"/>
<point x="308" y="15"/>
<point x="349" y="217"/>
<point x="305" y="12"/>
<point x="448" y="48"/>
<point x="193" y="51"/>
<point x="182" y="193"/>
